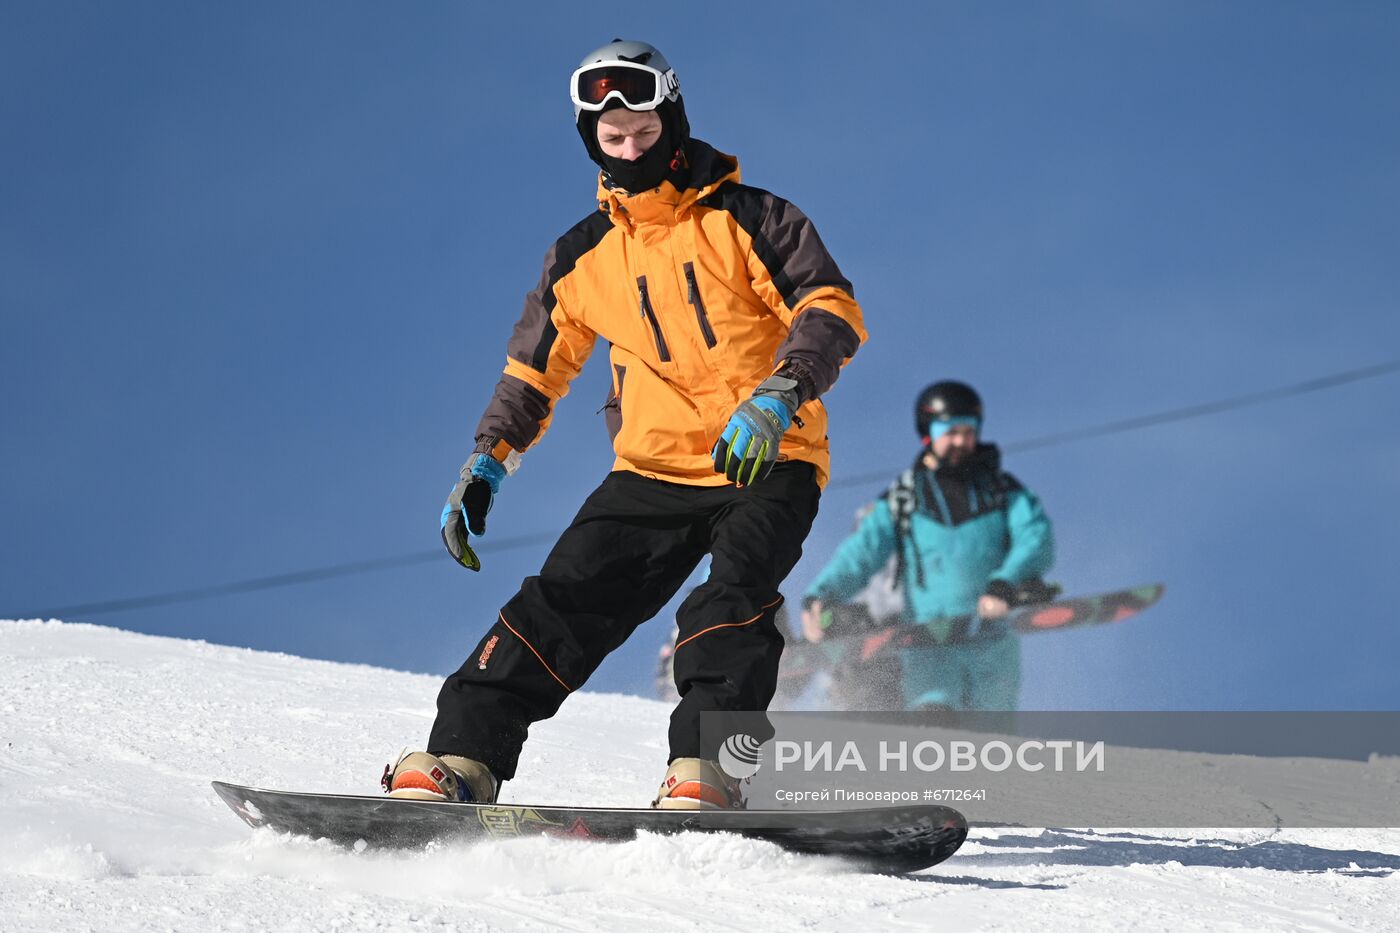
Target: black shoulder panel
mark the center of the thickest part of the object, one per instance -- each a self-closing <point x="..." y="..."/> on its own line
<point x="751" y="208"/>
<point x="1007" y="483"/>
<point x="580" y="239"/>
<point x="561" y="259"/>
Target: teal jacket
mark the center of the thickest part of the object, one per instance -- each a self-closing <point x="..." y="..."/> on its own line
<point x="953" y="532"/>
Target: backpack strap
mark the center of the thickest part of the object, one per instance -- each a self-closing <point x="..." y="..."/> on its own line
<point x="903" y="500"/>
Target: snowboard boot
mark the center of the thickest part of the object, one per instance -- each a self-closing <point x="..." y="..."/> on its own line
<point x="420" y="776"/>
<point x="698" y="784"/>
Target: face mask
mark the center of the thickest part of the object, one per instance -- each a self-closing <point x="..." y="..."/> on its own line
<point x="655" y="164"/>
<point x="642" y="174"/>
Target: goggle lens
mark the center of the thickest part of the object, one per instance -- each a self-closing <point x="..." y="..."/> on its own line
<point x="637" y="86"/>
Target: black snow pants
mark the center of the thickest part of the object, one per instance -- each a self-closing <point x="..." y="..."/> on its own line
<point x="630" y="548"/>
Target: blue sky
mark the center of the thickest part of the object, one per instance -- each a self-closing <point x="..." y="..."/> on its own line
<point x="258" y="263"/>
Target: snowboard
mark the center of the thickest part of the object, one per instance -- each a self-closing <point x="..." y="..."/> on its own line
<point x="886" y="839"/>
<point x="801" y="660"/>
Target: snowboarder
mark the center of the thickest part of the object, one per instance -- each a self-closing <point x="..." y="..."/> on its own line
<point x="727" y="321"/>
<point x="967" y="539"/>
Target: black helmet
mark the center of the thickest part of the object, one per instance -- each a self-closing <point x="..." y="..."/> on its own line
<point x="944" y="401"/>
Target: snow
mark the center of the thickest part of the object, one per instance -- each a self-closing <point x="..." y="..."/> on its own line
<point x="107" y="822"/>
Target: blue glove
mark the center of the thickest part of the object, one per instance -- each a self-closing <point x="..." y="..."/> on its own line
<point x="468" y="504"/>
<point x="748" y="448"/>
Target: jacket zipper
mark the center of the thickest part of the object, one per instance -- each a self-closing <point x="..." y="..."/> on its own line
<point x="650" y="315"/>
<point x="700" y="314"/>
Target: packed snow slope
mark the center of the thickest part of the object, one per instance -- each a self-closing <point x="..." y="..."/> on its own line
<point x="107" y="822"/>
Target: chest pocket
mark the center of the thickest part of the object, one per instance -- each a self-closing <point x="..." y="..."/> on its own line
<point x="697" y="302"/>
<point x="663" y="350"/>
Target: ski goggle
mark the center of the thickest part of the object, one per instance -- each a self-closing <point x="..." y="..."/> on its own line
<point x="639" y="87"/>
<point x="937" y="429"/>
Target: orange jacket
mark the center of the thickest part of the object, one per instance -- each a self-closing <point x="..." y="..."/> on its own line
<point x="703" y="292"/>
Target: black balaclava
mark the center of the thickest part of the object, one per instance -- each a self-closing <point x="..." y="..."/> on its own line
<point x="665" y="159"/>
